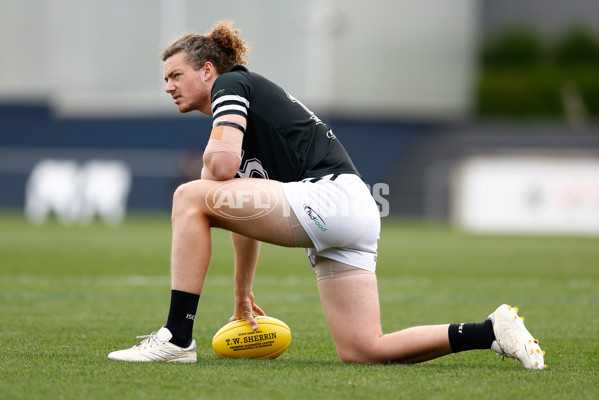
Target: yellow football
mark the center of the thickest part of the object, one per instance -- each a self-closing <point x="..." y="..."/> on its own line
<point x="237" y="339"/>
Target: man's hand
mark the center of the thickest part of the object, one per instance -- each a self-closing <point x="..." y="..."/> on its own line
<point x="245" y="307"/>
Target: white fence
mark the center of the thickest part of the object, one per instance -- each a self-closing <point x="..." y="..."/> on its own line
<point x="528" y="193"/>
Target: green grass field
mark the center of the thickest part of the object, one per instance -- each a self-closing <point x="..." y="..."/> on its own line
<point x="69" y="296"/>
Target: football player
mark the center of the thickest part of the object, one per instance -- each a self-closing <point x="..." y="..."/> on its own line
<point x="274" y="172"/>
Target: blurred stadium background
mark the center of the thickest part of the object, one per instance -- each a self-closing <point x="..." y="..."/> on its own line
<point x="483" y="113"/>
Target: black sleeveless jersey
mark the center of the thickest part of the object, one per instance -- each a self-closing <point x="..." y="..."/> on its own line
<point x="283" y="140"/>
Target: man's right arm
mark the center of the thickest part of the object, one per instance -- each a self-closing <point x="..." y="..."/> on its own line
<point x="222" y="156"/>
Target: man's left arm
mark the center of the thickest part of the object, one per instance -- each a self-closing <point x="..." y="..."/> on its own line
<point x="247" y="251"/>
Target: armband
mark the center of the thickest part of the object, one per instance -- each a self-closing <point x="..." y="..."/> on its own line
<point x="229" y="124"/>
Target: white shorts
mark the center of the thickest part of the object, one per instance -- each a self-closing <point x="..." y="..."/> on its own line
<point x="340" y="216"/>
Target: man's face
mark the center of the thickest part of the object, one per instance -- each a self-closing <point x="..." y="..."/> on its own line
<point x="187" y="86"/>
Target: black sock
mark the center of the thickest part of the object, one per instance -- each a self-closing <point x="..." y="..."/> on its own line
<point x="181" y="316"/>
<point x="470" y="336"/>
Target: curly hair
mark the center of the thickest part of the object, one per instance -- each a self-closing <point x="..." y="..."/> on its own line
<point x="222" y="46"/>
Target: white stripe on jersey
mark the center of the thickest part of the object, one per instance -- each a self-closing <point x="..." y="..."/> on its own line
<point x="231" y="97"/>
<point x="231" y="107"/>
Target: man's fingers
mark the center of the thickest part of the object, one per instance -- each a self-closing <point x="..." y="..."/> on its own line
<point x="259" y="310"/>
<point x="249" y="318"/>
<point x="252" y="321"/>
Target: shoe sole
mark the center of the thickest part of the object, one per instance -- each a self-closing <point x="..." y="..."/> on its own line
<point x="182" y="359"/>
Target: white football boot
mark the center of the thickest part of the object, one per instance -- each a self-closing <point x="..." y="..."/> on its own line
<point x="156" y="347"/>
<point x="513" y="340"/>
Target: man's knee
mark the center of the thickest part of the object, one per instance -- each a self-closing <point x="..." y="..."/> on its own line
<point x="361" y="352"/>
<point x="188" y="198"/>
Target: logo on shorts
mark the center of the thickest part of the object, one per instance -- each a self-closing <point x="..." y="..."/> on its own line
<point x="317" y="219"/>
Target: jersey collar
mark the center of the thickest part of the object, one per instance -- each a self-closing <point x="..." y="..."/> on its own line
<point x="239" y="68"/>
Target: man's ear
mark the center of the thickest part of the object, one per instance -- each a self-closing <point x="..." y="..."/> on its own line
<point x="209" y="71"/>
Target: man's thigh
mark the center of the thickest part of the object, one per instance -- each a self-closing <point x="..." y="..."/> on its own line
<point x="351" y="307"/>
<point x="255" y="208"/>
